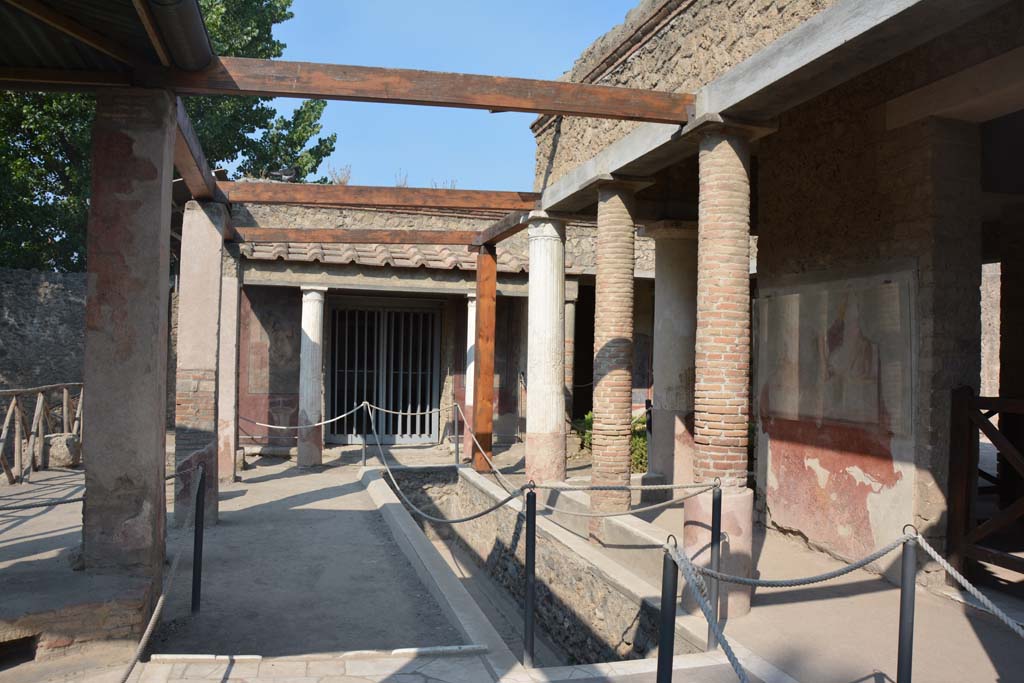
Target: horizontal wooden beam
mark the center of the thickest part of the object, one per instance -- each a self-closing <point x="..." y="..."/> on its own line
<point x="190" y="160"/>
<point x="271" y="78"/>
<point x="505" y="228"/>
<point x="83" y="34"/>
<point x="354" y="236"/>
<point x="393" y="197"/>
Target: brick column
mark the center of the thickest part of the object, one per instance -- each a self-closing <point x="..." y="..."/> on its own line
<point x="124" y="409"/>
<point x="613" y="349"/>
<point x="722" y="360"/>
<point x="195" y="415"/>
<point x="545" y="405"/>
<point x="311" y="377"/>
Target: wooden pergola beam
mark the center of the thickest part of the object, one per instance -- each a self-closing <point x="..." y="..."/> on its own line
<point x="190" y="161"/>
<point x="272" y="78"/>
<point x="392" y="197"/>
<point x="83" y="34"/>
<point x="503" y="229"/>
<point x="354" y="236"/>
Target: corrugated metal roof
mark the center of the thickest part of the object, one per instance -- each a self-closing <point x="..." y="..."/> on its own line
<point x="29" y="42"/>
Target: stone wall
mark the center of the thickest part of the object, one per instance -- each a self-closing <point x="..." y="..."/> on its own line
<point x="675" y="46"/>
<point x="42" y="328"/>
<point x="582" y="608"/>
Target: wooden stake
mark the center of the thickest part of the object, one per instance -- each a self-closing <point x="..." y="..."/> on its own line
<point x="37" y="417"/>
<point x="76" y="428"/>
<point x="18" y="421"/>
<point x="3" y="441"/>
<point x="65" y="409"/>
<point x="483" y="354"/>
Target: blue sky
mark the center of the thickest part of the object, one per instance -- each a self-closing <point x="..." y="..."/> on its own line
<point x="476" y="149"/>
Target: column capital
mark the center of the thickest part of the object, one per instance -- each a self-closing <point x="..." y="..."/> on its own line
<point x="313" y="292"/>
<point x="716" y="124"/>
<point x="541" y="225"/>
<point x="631" y="184"/>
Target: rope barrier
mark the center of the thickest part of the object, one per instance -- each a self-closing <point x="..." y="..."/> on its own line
<point x="412" y="506"/>
<point x="969" y="587"/>
<point x="168" y="582"/>
<point x="805" y="581"/>
<point x="42" y="504"/>
<point x="700" y="590"/>
<point x="310" y="426"/>
<point x="620" y="487"/>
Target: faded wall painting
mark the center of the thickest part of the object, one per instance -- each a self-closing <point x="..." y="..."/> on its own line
<point x="834" y="383"/>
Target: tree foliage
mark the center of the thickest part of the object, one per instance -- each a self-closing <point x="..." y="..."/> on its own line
<point x="45" y="143"/>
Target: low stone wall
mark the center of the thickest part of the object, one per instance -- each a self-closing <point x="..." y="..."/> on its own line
<point x="592" y="608"/>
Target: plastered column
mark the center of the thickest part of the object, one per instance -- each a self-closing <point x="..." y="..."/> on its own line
<point x="675" y="324"/>
<point x="195" y="440"/>
<point x="570" y="354"/>
<point x="311" y="377"/>
<point x="227" y="369"/>
<point x="545" y="405"/>
<point x="124" y="409"/>
<point x="467" y="404"/>
<point x="722" y="360"/>
<point x="613" y="350"/>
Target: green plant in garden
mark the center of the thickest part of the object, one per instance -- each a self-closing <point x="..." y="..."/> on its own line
<point x="584" y="428"/>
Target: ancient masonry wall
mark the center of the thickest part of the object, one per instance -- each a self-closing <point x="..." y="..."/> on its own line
<point x="580" y="607"/>
<point x="676" y="46"/>
<point x="842" y="198"/>
<point x="42" y="327"/>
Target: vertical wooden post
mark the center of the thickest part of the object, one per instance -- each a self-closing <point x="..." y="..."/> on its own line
<point x="41" y="429"/>
<point x="65" y="408"/>
<point x="960" y="477"/>
<point x="34" y="431"/>
<point x="483" y="361"/>
<point x="3" y="442"/>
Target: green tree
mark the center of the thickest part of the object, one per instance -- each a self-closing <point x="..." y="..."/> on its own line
<point x="45" y="143"/>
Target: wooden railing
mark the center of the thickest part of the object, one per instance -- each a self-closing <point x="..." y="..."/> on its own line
<point x="60" y="415"/>
<point x="969" y="415"/>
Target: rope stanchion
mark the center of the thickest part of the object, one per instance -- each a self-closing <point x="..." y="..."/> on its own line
<point x="700" y="592"/>
<point x="161" y="601"/>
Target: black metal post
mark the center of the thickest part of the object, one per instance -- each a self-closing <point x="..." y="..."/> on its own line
<point x="667" y="627"/>
<point x="197" y="542"/>
<point x="531" y="577"/>
<point x="908" y="584"/>
<point x="716" y="558"/>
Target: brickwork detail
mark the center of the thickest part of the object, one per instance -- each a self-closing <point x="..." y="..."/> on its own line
<point x="195" y="406"/>
<point x="613" y="348"/>
<point x="721" y="391"/>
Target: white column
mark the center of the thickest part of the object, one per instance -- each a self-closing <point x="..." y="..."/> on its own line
<point x="227" y="369"/>
<point x="311" y="377"/>
<point x="675" y="329"/>
<point x="470" y="343"/>
<point x="545" y="379"/>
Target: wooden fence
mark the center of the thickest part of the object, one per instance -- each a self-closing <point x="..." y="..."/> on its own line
<point x="58" y="409"/>
<point x="969" y="540"/>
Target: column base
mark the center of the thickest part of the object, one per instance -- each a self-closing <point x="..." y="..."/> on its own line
<point x="311" y="448"/>
<point x="737" y="545"/>
<point x="466" y="454"/>
<point x="545" y="457"/>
